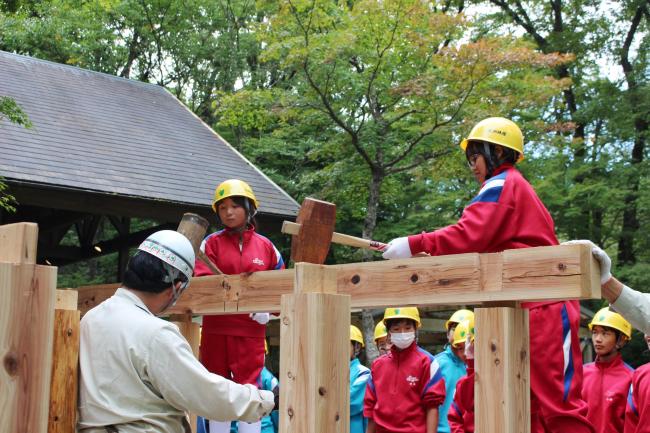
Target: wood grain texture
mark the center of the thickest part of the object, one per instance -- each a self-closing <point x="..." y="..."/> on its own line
<point x="192" y="333"/>
<point x="531" y="274"/>
<point x="502" y="378"/>
<point x="317" y="219"/>
<point x="18" y="243"/>
<point x="314" y="360"/>
<point x="65" y="371"/>
<point x="27" y="297"/>
<point x="67" y="299"/>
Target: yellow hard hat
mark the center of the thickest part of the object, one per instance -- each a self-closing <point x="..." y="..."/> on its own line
<point x="380" y="331"/>
<point x="356" y="335"/>
<point x="402" y="313"/>
<point x="611" y="319"/>
<point x="464" y="328"/>
<point x="458" y="317"/>
<point x="497" y="130"/>
<point x="233" y="188"/>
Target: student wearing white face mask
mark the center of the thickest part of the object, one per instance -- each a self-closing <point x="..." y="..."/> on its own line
<point x="400" y="396"/>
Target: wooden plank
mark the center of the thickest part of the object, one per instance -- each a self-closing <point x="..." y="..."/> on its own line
<point x="66" y="299"/>
<point x="27" y="297"/>
<point x="192" y="333"/>
<point x="530" y="274"/>
<point x="18" y="243"/>
<point x="65" y="371"/>
<point x="502" y="380"/>
<point x="314" y="359"/>
<point x="91" y="296"/>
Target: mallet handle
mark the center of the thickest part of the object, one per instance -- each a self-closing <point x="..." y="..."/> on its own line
<point x="291" y="228"/>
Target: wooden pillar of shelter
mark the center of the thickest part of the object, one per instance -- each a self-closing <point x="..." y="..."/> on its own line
<point x="27" y="298"/>
<point x="502" y="363"/>
<point x="65" y="364"/>
<point x="314" y="354"/>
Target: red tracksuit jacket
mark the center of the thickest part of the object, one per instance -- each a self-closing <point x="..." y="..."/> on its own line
<point x="257" y="254"/>
<point x="637" y="413"/>
<point x="605" y="387"/>
<point x="461" y="411"/>
<point x="400" y="390"/>
<point x="507" y="214"/>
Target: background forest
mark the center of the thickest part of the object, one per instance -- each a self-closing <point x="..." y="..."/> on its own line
<point x="363" y="103"/>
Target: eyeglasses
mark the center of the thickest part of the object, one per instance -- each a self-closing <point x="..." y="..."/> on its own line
<point x="471" y="159"/>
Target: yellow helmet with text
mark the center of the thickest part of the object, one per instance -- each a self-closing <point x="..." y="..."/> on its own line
<point x="611" y="319"/>
<point x="497" y="130"/>
<point x="356" y="335"/>
<point x="233" y="188"/>
<point x="402" y="313"/>
<point x="459" y="316"/>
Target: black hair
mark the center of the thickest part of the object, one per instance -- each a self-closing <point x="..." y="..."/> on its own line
<point x="146" y="273"/>
<point x="487" y="150"/>
<point x="390" y="322"/>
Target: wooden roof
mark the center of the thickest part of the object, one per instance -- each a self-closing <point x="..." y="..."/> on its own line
<point x="110" y="142"/>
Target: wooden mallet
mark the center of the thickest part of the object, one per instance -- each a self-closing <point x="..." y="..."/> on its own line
<point x="194" y="227"/>
<point x="313" y="232"/>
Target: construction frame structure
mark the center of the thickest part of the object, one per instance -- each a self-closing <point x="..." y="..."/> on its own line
<point x="39" y="326"/>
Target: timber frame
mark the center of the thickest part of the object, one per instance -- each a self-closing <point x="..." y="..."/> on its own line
<point x="315" y="302"/>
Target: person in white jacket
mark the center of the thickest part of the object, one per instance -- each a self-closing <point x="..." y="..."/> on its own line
<point x="137" y="372"/>
<point x="634" y="306"/>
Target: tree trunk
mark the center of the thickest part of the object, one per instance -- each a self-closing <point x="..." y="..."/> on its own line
<point x="369" y="224"/>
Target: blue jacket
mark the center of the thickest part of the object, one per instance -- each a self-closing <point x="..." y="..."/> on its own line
<point x="452" y="369"/>
<point x="359" y="375"/>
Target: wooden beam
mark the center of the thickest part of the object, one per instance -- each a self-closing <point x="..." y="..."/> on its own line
<point x="530" y="274"/>
<point x="26" y="318"/>
<point x="314" y="360"/>
<point x="65" y="371"/>
<point x="502" y="363"/>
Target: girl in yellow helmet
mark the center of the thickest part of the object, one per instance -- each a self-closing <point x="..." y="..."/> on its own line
<point x="233" y="345"/>
<point x="506" y="213"/>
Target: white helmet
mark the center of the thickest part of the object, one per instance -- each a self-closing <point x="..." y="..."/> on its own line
<point x="172" y="248"/>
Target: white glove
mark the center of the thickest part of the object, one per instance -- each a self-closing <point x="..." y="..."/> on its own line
<point x="600" y="255"/>
<point x="398" y="248"/>
<point x="261" y="318"/>
<point x="268" y="401"/>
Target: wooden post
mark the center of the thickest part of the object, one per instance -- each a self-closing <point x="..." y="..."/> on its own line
<point x="502" y="381"/>
<point x="192" y="333"/>
<point x="314" y="354"/>
<point x="65" y="364"/>
<point x="27" y="296"/>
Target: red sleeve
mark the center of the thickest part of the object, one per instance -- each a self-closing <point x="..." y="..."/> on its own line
<point x="435" y="396"/>
<point x="481" y="225"/>
<point x="455" y="418"/>
<point x="434" y="391"/>
<point x="200" y="268"/>
<point x="638" y="407"/>
<point x="370" y="399"/>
